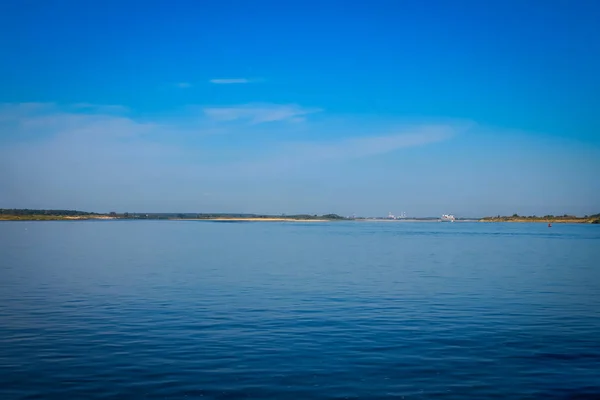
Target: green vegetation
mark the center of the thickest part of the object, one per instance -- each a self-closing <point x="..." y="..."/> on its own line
<point x="54" y="215"/>
<point x="43" y="215"/>
<point x="593" y="219"/>
<point x="25" y="212"/>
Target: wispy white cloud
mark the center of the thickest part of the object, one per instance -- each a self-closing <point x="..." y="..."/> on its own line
<point x="183" y="85"/>
<point x="31" y="112"/>
<point x="103" y="158"/>
<point x="373" y="145"/>
<point x="259" y="113"/>
<point x="286" y="157"/>
<point x="230" y="81"/>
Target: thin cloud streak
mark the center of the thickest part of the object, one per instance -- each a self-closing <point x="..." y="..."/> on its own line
<point x="374" y="145"/>
<point x="260" y="113"/>
<point x="230" y="81"/>
<point x="302" y="155"/>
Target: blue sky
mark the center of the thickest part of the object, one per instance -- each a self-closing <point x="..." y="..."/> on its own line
<point x="426" y="107"/>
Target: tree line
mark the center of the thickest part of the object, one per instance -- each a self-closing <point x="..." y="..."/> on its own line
<point x="28" y="212"/>
<point x="594" y="219"/>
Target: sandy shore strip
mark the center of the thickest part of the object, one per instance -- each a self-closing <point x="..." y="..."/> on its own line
<point x="89" y="217"/>
<point x="251" y="219"/>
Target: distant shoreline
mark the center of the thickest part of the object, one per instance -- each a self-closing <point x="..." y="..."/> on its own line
<point x="74" y="215"/>
<point x="274" y="219"/>
<point x="53" y="218"/>
<point x="543" y="220"/>
<point x="108" y="217"/>
<point x="86" y="218"/>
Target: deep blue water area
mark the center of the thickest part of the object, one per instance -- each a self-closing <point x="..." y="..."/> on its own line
<point x="270" y="310"/>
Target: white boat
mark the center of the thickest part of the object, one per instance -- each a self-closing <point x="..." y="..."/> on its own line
<point x="447" y="218"/>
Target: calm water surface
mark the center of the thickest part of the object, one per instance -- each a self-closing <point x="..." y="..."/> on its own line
<point x="189" y="309"/>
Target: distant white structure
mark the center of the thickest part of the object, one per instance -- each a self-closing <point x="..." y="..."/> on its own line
<point x="447" y="218"/>
<point x="392" y="216"/>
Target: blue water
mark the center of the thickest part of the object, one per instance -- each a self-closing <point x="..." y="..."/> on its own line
<point x="347" y="310"/>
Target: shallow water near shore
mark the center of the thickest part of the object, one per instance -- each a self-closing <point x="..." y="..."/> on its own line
<point x="332" y="310"/>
